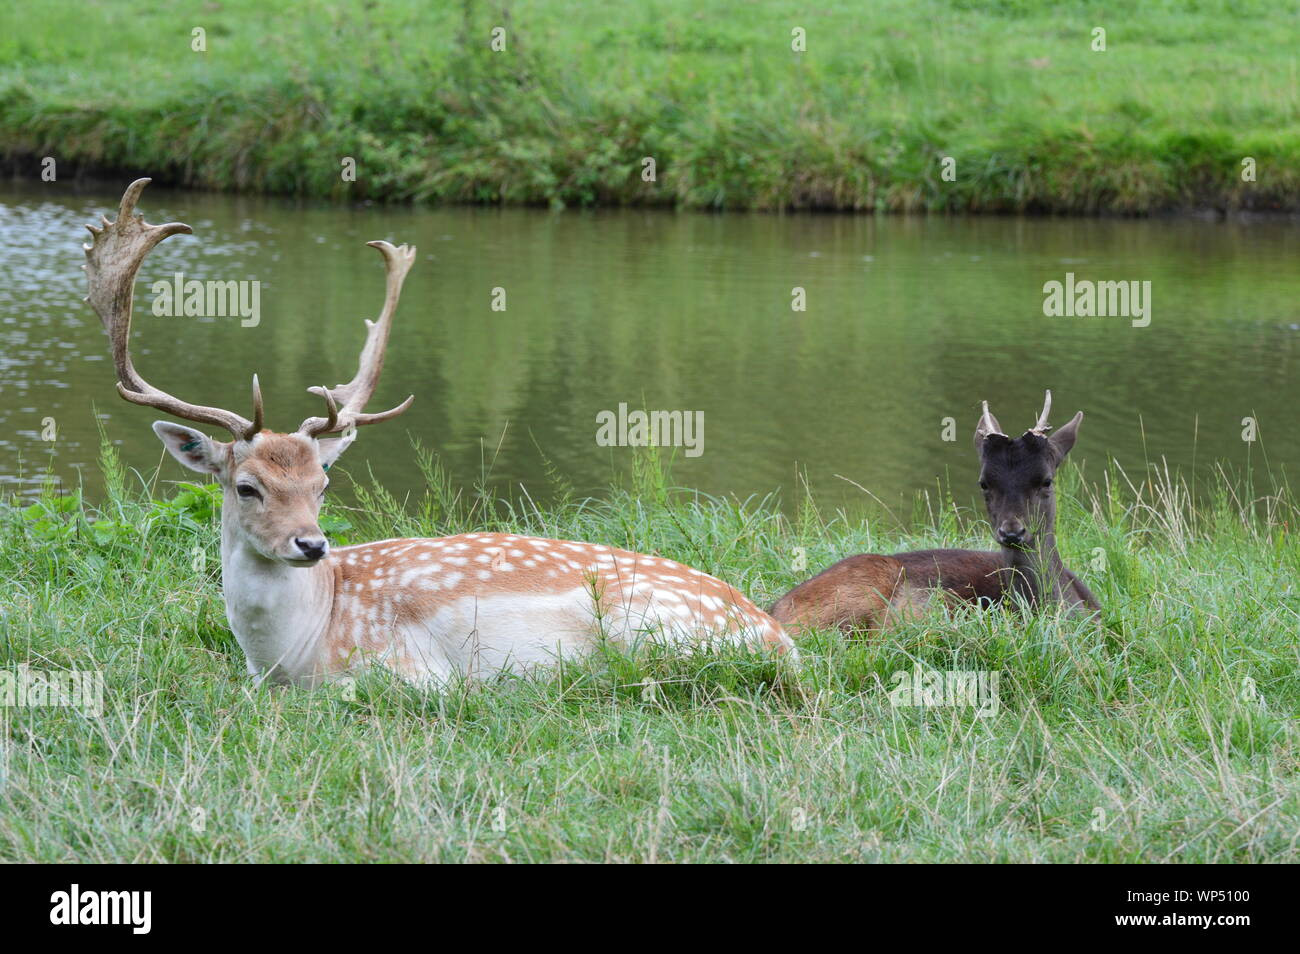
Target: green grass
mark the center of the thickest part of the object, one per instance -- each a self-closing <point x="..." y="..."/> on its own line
<point x="1170" y="735"/>
<point x="1012" y="90"/>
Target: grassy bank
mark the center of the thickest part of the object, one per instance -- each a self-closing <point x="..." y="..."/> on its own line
<point x="1010" y="89"/>
<point x="1172" y="735"/>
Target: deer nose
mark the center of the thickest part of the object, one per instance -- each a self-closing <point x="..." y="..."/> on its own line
<point x="313" y="548"/>
<point x="1011" y="534"/>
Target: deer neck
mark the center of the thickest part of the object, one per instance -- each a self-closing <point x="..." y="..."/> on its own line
<point x="278" y="613"/>
<point x="1040" y="575"/>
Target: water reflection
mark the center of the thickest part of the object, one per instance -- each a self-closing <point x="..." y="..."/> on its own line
<point x="909" y="322"/>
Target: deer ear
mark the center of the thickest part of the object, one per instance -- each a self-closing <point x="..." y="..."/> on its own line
<point x="331" y="449"/>
<point x="1063" y="439"/>
<point x="192" y="448"/>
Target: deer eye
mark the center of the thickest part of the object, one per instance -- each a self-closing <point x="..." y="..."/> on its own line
<point x="984" y="485"/>
<point x="1047" y="481"/>
<point x="248" y="490"/>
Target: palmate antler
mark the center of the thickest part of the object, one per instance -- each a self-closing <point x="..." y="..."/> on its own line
<point x="345" y="401"/>
<point x="113" y="258"/>
<point x="115" y="255"/>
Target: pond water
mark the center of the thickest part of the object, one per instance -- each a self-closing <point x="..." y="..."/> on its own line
<point x="907" y="322"/>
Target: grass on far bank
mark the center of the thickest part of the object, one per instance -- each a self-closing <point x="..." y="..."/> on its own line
<point x="1010" y="89"/>
<point x="1171" y="735"/>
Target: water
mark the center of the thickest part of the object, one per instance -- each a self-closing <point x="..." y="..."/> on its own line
<point x="908" y="322"/>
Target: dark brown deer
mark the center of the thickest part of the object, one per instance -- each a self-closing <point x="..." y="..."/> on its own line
<point x="1017" y="476"/>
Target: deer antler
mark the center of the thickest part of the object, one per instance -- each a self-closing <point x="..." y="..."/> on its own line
<point x="988" y="425"/>
<point x="113" y="258"/>
<point x="345" y="401"/>
<point x="1042" y="427"/>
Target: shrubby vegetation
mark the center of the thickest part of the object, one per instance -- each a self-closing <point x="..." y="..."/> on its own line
<point x="1013" y="91"/>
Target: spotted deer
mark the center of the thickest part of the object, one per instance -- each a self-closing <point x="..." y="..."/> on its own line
<point x="305" y="612"/>
<point x="871" y="590"/>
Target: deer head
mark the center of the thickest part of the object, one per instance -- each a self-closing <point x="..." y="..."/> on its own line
<point x="1017" y="476"/>
<point x="273" y="483"/>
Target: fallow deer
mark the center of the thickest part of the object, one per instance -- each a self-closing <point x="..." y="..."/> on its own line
<point x="305" y="612"/>
<point x="870" y="590"/>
